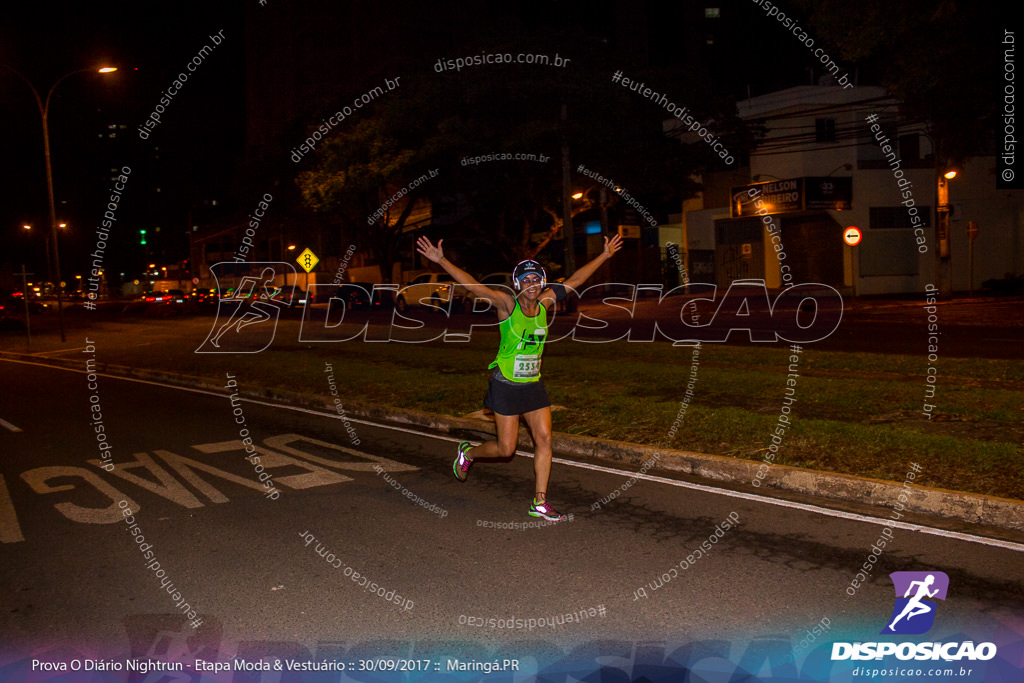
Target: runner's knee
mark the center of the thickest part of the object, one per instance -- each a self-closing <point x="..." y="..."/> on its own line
<point x="542" y="440"/>
<point x="507" y="448"/>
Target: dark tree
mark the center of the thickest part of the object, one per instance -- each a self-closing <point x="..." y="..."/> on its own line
<point x="439" y="119"/>
<point x="942" y="60"/>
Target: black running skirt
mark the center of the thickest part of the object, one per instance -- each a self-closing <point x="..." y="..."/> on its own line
<point x="506" y="397"/>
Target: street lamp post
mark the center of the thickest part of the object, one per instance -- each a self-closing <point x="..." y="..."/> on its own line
<point x="44" y="111"/>
<point x="568" y="232"/>
<point x="942" y="211"/>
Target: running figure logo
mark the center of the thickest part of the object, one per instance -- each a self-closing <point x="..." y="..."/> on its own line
<point x="915" y="614"/>
<point x="247" y="317"/>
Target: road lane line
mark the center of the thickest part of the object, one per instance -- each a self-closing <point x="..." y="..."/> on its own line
<point x="8" y="425"/>
<point x="43" y="353"/>
<point x="852" y="516"/>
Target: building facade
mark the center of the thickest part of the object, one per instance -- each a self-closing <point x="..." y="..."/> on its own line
<point x="831" y="159"/>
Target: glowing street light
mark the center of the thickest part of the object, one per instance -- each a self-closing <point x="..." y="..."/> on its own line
<point x="44" y="111"/>
<point x="942" y="211"/>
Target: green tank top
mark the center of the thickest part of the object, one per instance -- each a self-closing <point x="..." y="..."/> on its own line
<point x="522" y="343"/>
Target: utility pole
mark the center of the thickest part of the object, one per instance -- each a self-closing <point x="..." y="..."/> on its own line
<point x="942" y="211"/>
<point x="568" y="234"/>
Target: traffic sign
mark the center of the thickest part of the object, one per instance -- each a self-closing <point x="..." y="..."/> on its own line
<point x="852" y="236"/>
<point x="629" y="232"/>
<point x="307" y="259"/>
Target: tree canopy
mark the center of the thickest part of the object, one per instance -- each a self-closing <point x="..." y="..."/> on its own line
<point x="940" y="59"/>
<point x="452" y="125"/>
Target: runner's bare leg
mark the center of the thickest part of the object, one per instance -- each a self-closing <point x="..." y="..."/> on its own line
<point x="539" y="422"/>
<point x="505" y="445"/>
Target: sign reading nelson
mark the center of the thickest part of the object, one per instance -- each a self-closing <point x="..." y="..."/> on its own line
<point x="792" y="195"/>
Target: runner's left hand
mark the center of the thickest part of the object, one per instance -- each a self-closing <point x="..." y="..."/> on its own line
<point x="612" y="246"/>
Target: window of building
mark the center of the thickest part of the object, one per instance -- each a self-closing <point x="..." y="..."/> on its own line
<point x="910" y="147"/>
<point x="913" y="149"/>
<point x="897" y="217"/>
<point x="825" y="130"/>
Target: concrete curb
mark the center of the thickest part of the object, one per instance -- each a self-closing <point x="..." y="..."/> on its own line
<point x="966" y="507"/>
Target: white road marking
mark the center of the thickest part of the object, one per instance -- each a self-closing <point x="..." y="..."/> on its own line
<point x="969" y="538"/>
<point x="43" y="353"/>
<point x="1008" y="545"/>
<point x="10" y="530"/>
<point x="7" y="425"/>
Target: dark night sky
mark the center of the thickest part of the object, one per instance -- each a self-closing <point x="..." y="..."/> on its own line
<point x="196" y="152"/>
<point x="149" y="43"/>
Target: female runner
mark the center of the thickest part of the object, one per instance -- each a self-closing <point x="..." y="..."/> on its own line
<point x="516" y="388"/>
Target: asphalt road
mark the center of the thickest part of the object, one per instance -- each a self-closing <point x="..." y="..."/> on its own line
<point x="982" y="328"/>
<point x="969" y="328"/>
<point x="75" y="578"/>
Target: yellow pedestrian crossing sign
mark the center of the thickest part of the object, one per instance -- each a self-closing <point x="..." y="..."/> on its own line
<point x="307" y="260"/>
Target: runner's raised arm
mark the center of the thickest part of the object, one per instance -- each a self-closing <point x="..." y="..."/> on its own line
<point x="502" y="300"/>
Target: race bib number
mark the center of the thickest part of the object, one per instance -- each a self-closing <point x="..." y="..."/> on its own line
<point x="526" y="367"/>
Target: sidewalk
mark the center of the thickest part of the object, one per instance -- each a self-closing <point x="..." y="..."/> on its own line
<point x="829" y="489"/>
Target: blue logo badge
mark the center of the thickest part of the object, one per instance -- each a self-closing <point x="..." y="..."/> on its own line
<point x="916" y="593"/>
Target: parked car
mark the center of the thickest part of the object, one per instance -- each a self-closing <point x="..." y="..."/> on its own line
<point x="363" y="295"/>
<point x="16" y="305"/>
<point x="205" y="296"/>
<point x="152" y="297"/>
<point x="164" y="296"/>
<point x="289" y="296"/>
<point x="494" y="280"/>
<point x="435" y="288"/>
